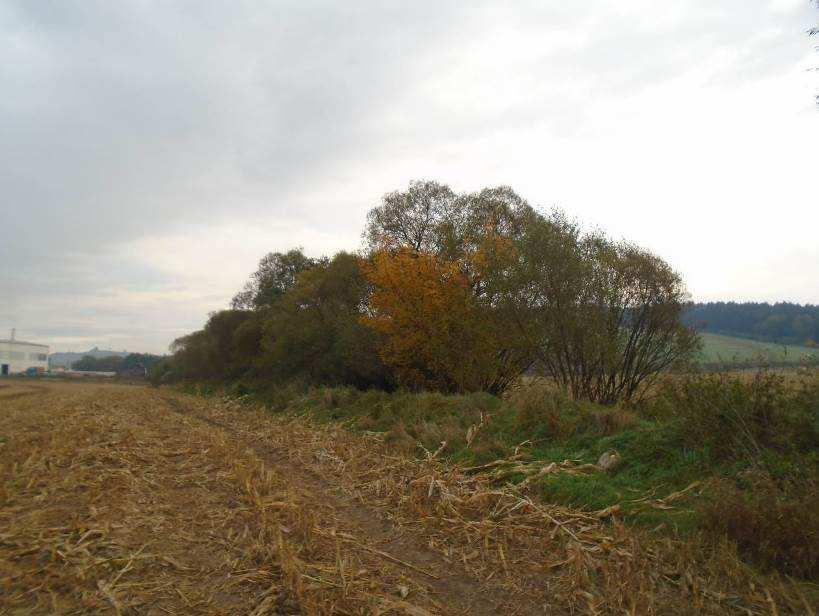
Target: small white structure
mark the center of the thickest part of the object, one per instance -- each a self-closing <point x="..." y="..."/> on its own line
<point x="17" y="356"/>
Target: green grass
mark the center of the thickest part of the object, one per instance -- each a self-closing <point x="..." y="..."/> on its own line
<point x="659" y="454"/>
<point x="730" y="432"/>
<point x="655" y="463"/>
<point x="730" y="349"/>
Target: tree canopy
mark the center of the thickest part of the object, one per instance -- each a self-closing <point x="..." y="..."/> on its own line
<point x="114" y="363"/>
<point x="277" y="272"/>
<point x="452" y="292"/>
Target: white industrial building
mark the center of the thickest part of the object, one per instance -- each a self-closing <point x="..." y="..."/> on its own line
<point x="17" y="356"/>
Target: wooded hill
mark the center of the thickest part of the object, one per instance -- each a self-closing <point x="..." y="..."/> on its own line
<point x="783" y="322"/>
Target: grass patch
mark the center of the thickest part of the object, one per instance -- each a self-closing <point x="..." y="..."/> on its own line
<point x="717" y="348"/>
<point x="542" y="424"/>
<point x="679" y="451"/>
<point x="653" y="465"/>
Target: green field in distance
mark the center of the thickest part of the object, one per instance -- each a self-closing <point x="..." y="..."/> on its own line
<point x="719" y="348"/>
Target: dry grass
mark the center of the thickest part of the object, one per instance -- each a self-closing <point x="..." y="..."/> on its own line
<point x="112" y="503"/>
<point x="127" y="500"/>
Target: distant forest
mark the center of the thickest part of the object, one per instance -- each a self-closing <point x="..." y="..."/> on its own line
<point x="783" y="322"/>
<point x="135" y="362"/>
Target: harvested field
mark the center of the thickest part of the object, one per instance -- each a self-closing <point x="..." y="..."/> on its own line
<point x="129" y="500"/>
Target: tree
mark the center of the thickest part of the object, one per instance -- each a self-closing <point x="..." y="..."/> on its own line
<point x="430" y="218"/>
<point x="301" y="320"/>
<point x="194" y="357"/>
<point x="413" y="218"/>
<point x="782" y="322"/>
<point x="247" y="343"/>
<point x="435" y="256"/>
<point x="602" y="317"/>
<point x="458" y="292"/>
<point x="277" y="272"/>
<point x="89" y="363"/>
<point x="436" y="335"/>
<point x="208" y="354"/>
<point x="315" y="334"/>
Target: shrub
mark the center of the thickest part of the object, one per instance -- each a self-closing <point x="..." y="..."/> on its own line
<point x="739" y="418"/>
<point x="773" y="525"/>
<point x="539" y="413"/>
<point x="543" y="413"/>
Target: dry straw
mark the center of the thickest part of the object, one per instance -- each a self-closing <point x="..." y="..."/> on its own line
<point x="127" y="500"/>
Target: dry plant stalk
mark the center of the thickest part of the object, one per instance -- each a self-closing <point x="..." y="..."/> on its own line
<point x="129" y="500"/>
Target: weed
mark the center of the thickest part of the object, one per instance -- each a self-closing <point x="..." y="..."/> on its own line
<point x="738" y="419"/>
<point x="774" y="525"/>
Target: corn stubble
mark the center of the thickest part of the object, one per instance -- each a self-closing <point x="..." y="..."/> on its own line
<point x="129" y="500"/>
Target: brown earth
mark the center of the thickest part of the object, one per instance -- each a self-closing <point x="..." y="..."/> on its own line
<point x="130" y="500"/>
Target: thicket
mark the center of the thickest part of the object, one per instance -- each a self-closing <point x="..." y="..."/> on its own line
<point x="452" y="293"/>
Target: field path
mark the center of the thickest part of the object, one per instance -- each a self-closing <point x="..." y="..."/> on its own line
<point x="446" y="583"/>
<point x="126" y="500"/>
<point x="122" y="499"/>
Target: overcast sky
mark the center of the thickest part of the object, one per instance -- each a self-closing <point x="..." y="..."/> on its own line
<point x="152" y="152"/>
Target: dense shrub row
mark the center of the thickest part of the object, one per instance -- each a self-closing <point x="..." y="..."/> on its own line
<point x="453" y="293"/>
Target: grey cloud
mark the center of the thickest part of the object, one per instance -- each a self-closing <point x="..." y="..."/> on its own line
<point x="121" y="120"/>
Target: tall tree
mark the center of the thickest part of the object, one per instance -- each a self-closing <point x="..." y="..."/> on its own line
<point x="436" y="334"/>
<point x="277" y="272"/>
<point x="434" y="256"/>
<point x="602" y="317"/>
<point x="315" y="333"/>
<point x="412" y="219"/>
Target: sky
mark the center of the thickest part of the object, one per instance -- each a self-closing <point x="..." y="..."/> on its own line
<point x="152" y="152"/>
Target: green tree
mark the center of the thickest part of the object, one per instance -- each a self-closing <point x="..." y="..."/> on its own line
<point x="89" y="363"/>
<point x="209" y="354"/>
<point x="601" y="317"/>
<point x="435" y="258"/>
<point x="315" y="333"/>
<point x="413" y="218"/>
<point x="277" y="272"/>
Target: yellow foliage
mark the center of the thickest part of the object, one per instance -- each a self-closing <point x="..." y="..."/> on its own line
<point x="436" y="334"/>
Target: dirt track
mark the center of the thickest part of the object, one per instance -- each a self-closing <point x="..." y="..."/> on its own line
<point x="136" y="501"/>
<point x="130" y="500"/>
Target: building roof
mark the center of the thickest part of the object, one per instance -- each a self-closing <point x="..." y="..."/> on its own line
<point x="23" y="343"/>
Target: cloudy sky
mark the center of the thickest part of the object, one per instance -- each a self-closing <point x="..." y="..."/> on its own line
<point x="151" y="152"/>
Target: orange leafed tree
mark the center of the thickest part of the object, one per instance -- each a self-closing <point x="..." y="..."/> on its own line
<point x="435" y="332"/>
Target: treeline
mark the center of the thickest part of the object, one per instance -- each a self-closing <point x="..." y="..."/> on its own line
<point x="453" y="293"/>
<point x="782" y="322"/>
<point x="134" y="363"/>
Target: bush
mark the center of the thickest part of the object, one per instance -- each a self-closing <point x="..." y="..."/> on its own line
<point x="406" y="418"/>
<point x="773" y="525"/>
<point x="740" y="418"/>
<point x="544" y="413"/>
<point x="539" y="413"/>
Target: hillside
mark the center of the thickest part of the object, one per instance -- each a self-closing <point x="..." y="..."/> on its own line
<point x="718" y="348"/>
<point x="782" y="322"/>
<point x="66" y="359"/>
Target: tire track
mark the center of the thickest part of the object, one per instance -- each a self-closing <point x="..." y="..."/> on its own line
<point x="455" y="590"/>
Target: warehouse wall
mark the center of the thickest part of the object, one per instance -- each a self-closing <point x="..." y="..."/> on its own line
<point x="20" y="356"/>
